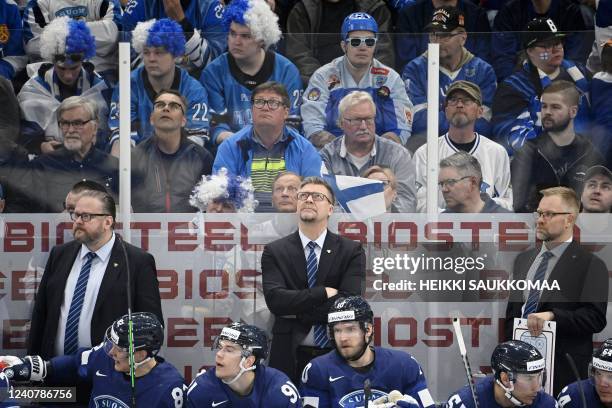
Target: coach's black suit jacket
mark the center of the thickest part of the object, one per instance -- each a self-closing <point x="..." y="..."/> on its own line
<point x="579" y="306"/>
<point x="285" y="284"/>
<point x="112" y="297"/>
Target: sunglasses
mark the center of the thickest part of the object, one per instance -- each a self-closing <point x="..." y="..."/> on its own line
<point x="357" y="41"/>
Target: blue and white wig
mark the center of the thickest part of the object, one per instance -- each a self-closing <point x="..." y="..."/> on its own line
<point x="257" y="16"/>
<point x="164" y="33"/>
<point x="220" y="186"/>
<point x="66" y="36"/>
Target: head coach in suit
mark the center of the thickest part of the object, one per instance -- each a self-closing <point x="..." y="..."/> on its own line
<point x="579" y="305"/>
<point x="84" y="286"/>
<point x="303" y="273"/>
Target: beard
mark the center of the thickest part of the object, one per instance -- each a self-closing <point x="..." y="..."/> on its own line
<point x="459" y="120"/>
<point x="556" y="127"/>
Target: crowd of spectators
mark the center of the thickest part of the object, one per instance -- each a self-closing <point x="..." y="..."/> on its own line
<point x="524" y="86"/>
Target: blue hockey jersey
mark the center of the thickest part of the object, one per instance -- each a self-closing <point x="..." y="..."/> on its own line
<point x="601" y="94"/>
<point x="272" y="389"/>
<point x="331" y="381"/>
<point x="161" y="387"/>
<point x="486" y="397"/>
<point x="229" y="90"/>
<point x="204" y="15"/>
<point x="471" y="69"/>
<point x="142" y="97"/>
<point x="12" y="54"/>
<point x="569" y="397"/>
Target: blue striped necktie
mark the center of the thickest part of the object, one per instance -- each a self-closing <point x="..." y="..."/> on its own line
<point x="71" y="339"/>
<point x="531" y="304"/>
<point x="320" y="333"/>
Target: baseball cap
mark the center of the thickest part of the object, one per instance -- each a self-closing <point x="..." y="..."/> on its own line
<point x="446" y="19"/>
<point x="540" y="29"/>
<point x="468" y="87"/>
<point x="598" y="169"/>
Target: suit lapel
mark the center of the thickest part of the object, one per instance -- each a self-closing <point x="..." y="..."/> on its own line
<point x="72" y="254"/>
<point x="298" y="259"/>
<point x="328" y="253"/>
<point x="116" y="264"/>
<point x="565" y="265"/>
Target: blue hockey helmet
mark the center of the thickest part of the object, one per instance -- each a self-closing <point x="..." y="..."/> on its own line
<point x="358" y="22"/>
<point x="147" y="329"/>
<point x="602" y="357"/>
<point x="516" y="357"/>
<point x="252" y="339"/>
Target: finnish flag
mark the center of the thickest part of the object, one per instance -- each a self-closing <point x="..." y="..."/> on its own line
<point x="357" y="195"/>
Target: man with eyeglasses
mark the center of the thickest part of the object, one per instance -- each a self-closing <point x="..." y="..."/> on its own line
<point x="77" y="158"/>
<point x="559" y="156"/>
<point x="518" y="376"/>
<point x="83" y="289"/>
<point x="161" y="43"/>
<point x="360" y="147"/>
<point x="597" y="192"/>
<point x="447" y="28"/>
<point x="166" y="166"/>
<point x="267" y="147"/>
<point x="460" y="182"/>
<point x="516" y="105"/>
<point x="303" y="274"/>
<point x="597" y="388"/>
<point x="356" y="70"/>
<point x="463" y="107"/>
<point x="250" y="61"/>
<point x="240" y="377"/>
<point x="579" y="305"/>
<point x="67" y="45"/>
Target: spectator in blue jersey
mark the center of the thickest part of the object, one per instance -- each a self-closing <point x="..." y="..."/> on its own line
<point x="413" y="20"/>
<point x="360" y="147"/>
<point x="102" y="17"/>
<point x="601" y="95"/>
<point x="516" y="105"/>
<point x="313" y="32"/>
<point x="559" y="156"/>
<point x="597" y="389"/>
<point x="336" y="379"/>
<point x="518" y="375"/>
<point x="160" y="42"/>
<point x="249" y="61"/>
<point x="54" y="173"/>
<point x="68" y="46"/>
<point x="166" y="166"/>
<point x="239" y="377"/>
<point x="447" y="28"/>
<point x="200" y="20"/>
<point x="460" y="180"/>
<point x="13" y="55"/>
<point x="267" y="147"/>
<point x="107" y="367"/>
<point x="515" y="15"/>
<point x="356" y="70"/>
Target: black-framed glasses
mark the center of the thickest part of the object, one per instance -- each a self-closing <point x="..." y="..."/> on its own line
<point x="357" y="41"/>
<point x="173" y="106"/>
<point x="303" y="196"/>
<point x="451" y="182"/>
<point x="77" y="124"/>
<point x="547" y="215"/>
<point x="85" y="217"/>
<point x="453" y="101"/>
<point x="358" y="121"/>
<point x="273" y="104"/>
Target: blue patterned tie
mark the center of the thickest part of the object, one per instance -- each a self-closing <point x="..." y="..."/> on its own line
<point x="71" y="339"/>
<point x="320" y="333"/>
<point x="534" y="295"/>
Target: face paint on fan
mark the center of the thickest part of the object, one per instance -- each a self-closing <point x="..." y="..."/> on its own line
<point x="544" y="56"/>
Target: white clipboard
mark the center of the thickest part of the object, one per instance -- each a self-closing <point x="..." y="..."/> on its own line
<point x="545" y="343"/>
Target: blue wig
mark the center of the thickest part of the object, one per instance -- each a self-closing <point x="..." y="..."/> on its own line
<point x="168" y="34"/>
<point x="79" y="39"/>
<point x="234" y="13"/>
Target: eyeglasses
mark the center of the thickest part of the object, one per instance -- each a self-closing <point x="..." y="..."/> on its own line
<point x="357" y="121"/>
<point x="547" y="215"/>
<point x="173" y="106"/>
<point x="85" y="217"/>
<point x="357" y="41"/>
<point x="273" y="104"/>
<point x="77" y="124"/>
<point x="303" y="196"/>
<point x="453" y="101"/>
<point x="451" y="182"/>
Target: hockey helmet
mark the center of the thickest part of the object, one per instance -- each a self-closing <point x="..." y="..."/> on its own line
<point x="358" y="22"/>
<point x="252" y="339"/>
<point x="516" y="357"/>
<point x="147" y="329"/>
